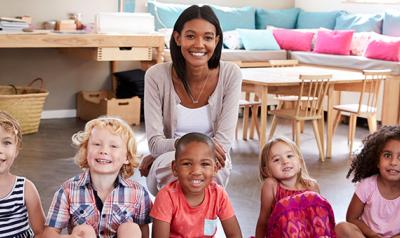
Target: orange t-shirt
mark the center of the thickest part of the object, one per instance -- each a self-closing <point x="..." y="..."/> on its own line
<point x="201" y="221"/>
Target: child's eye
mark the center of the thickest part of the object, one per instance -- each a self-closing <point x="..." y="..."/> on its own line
<point x="387" y="155"/>
<point x="205" y="164"/>
<point x="275" y="160"/>
<point x="114" y="146"/>
<point x="7" y="142"/>
<point x="186" y="164"/>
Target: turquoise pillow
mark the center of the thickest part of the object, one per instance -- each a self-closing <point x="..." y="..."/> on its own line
<point x="283" y="18"/>
<point x="232" y="18"/>
<point x="359" y="22"/>
<point x="258" y="39"/>
<point x="165" y="14"/>
<point x="317" y="19"/>
<point x="391" y="24"/>
<point x="129" y="5"/>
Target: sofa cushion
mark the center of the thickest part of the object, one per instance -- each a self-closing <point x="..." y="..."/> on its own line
<point x="258" y="39"/>
<point x="359" y="42"/>
<point x="317" y="19"/>
<point x="284" y="18"/>
<point x="293" y="39"/>
<point x="232" y="40"/>
<point x="346" y="61"/>
<point x="333" y="42"/>
<point x="165" y="14"/>
<point x="359" y="22"/>
<point x="231" y="18"/>
<point x="391" y="23"/>
<point x="384" y="50"/>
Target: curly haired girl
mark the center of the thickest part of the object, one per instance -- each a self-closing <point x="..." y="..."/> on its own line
<point x="376" y="202"/>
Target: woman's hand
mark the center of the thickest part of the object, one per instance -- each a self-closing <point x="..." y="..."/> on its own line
<point x="145" y="165"/>
<point x="220" y="155"/>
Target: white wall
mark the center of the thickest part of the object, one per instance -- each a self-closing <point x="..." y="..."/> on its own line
<point x="329" y="5"/>
<point x="141" y="4"/>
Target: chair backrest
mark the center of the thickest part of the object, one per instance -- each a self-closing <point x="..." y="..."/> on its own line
<point x="313" y="89"/>
<point x="283" y="63"/>
<point x="368" y="98"/>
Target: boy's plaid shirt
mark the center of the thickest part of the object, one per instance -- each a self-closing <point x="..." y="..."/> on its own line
<point x="74" y="204"/>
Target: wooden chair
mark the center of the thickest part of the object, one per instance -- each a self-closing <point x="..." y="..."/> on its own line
<point x="308" y="107"/>
<point x="250" y="103"/>
<point x="286" y="101"/>
<point x="366" y="106"/>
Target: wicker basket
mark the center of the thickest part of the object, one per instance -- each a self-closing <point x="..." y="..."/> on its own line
<point x="25" y="104"/>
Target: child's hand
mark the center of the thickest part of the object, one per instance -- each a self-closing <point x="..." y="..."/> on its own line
<point x="220" y="154"/>
<point x="145" y="165"/>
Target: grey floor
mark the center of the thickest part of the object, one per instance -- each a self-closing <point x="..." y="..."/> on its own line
<point x="46" y="159"/>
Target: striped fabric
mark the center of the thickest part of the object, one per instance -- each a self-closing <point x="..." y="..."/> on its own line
<point x="13" y="213"/>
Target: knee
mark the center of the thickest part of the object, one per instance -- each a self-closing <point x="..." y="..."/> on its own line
<point x="129" y="229"/>
<point x="84" y="231"/>
<point x="346" y="229"/>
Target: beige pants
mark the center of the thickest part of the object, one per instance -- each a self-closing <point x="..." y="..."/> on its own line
<point x="160" y="173"/>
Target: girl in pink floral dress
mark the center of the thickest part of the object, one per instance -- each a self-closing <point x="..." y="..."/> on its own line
<point x="290" y="202"/>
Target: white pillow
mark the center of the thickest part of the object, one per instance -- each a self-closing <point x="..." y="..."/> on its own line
<point x="232" y="40"/>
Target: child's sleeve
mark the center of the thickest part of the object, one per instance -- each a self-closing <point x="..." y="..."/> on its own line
<point x="58" y="214"/>
<point x="143" y="214"/>
<point x="364" y="189"/>
<point x="225" y="206"/>
<point x="163" y="207"/>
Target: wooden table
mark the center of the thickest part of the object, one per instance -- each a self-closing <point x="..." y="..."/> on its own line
<point x="285" y="80"/>
<point x="101" y="47"/>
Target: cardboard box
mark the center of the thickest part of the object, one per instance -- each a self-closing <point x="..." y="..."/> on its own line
<point x="92" y="104"/>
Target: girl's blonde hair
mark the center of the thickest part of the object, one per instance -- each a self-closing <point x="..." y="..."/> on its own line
<point x="303" y="177"/>
<point x="117" y="126"/>
<point x="11" y="125"/>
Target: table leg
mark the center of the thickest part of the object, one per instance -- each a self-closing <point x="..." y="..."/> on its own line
<point x="263" y="94"/>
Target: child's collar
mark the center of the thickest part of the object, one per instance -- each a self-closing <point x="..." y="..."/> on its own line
<point x="85" y="180"/>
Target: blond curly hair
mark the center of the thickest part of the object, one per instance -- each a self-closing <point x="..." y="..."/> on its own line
<point x="117" y="126"/>
<point x="11" y="125"/>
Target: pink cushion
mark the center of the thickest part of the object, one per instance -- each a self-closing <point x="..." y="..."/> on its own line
<point x="293" y="40"/>
<point x="383" y="50"/>
<point x="333" y="42"/>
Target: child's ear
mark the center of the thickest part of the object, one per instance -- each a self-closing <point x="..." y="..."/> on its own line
<point x="174" y="169"/>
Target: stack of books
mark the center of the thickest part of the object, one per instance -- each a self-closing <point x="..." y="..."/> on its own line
<point x="12" y="24"/>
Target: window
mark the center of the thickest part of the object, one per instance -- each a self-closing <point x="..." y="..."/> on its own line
<point x="373" y="1"/>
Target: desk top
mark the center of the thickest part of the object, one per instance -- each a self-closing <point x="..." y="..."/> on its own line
<point x="290" y="75"/>
<point x="72" y="40"/>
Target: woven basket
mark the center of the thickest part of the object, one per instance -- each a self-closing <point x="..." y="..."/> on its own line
<point x="25" y="104"/>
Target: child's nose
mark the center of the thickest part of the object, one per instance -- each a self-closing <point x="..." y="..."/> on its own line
<point x="196" y="169"/>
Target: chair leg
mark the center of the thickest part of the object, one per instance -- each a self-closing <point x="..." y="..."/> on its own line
<point x="245" y="122"/>
<point x="336" y="122"/>
<point x="353" y="120"/>
<point x="372" y="124"/>
<point x="254" y="121"/>
<point x="350" y="129"/>
<point x="297" y="132"/>
<point x="318" y="139"/>
<point x="273" y="127"/>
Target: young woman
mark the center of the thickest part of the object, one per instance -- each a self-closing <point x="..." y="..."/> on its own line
<point x="196" y="92"/>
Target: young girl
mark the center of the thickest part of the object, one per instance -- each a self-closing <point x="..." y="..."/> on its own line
<point x="191" y="206"/>
<point x="290" y="203"/>
<point x="21" y="212"/>
<point x="375" y="207"/>
<point x="102" y="201"/>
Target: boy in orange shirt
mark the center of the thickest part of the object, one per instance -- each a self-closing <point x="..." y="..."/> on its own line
<point x="191" y="206"/>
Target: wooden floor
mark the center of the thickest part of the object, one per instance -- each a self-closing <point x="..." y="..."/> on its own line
<point x="46" y="159"/>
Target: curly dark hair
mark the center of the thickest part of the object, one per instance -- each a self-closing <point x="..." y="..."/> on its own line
<point x="365" y="163"/>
